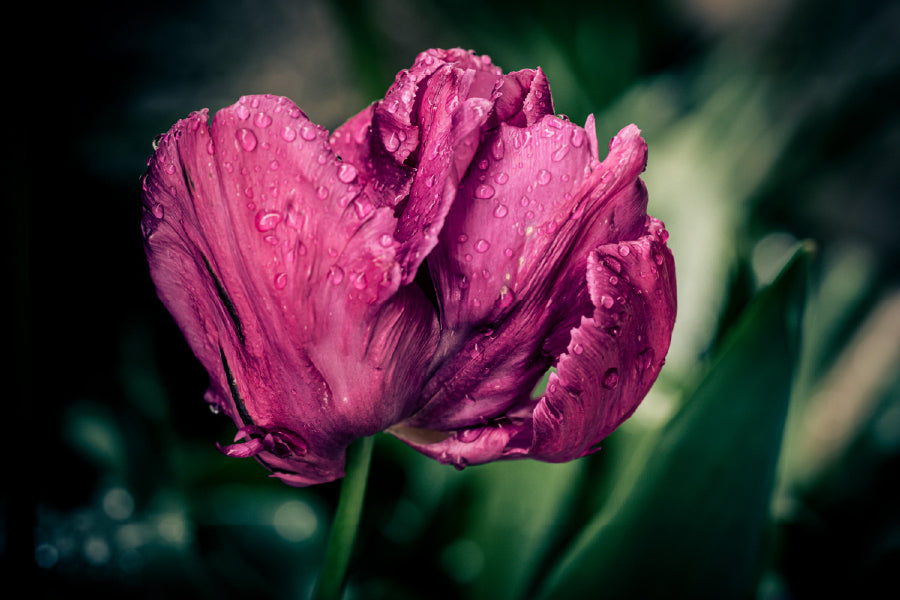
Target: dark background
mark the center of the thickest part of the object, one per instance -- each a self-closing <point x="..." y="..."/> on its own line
<point x="767" y="122"/>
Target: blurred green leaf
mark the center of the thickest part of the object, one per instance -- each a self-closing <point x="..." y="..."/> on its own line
<point x="692" y="525"/>
<point x="519" y="508"/>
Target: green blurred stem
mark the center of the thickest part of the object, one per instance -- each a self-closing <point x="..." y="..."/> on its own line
<point x="346" y="521"/>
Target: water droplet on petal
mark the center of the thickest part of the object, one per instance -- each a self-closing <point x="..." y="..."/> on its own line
<point x="273" y="166"/>
<point x="242" y="112"/>
<point x="645" y="359"/>
<point x="363" y="207"/>
<point x="158" y="211"/>
<point x="497" y="149"/>
<point x="560" y="153"/>
<point x="361" y="282"/>
<point x="578" y="349"/>
<point x="500" y="211"/>
<point x="280" y="281"/>
<point x="346" y="173"/>
<point x="308" y="132"/>
<point x="544" y="177"/>
<point x="262" y="120"/>
<point x="247" y="139"/>
<point x="606" y="302"/>
<point x="170" y="169"/>
<point x="506" y="297"/>
<point x="288" y="134"/>
<point x="463" y="238"/>
<point x="392" y="142"/>
<point x="484" y="192"/>
<point x="266" y="221"/>
<point x="611" y="378"/>
<point x="577" y="137"/>
<point x="624" y="250"/>
<point x="336" y="275"/>
<point x="386" y="240"/>
<point x="501" y="178"/>
<point x="322" y="192"/>
<point x="658" y="259"/>
<point x="469" y="435"/>
<point x="210" y="147"/>
<point x="482" y="246"/>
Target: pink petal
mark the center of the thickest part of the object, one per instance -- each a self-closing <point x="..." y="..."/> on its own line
<point x="283" y="276"/>
<point x="502" y="331"/>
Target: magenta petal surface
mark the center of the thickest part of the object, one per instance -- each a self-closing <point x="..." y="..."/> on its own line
<point x="283" y="276"/>
<point x="416" y="272"/>
<point x="514" y="275"/>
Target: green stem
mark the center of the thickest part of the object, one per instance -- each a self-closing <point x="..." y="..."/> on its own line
<point x="346" y="521"/>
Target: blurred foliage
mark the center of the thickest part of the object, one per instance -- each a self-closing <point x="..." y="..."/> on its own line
<point x="767" y="122"/>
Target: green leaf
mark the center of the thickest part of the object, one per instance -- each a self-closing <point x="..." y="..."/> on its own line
<point x="693" y="521"/>
<point x="518" y="510"/>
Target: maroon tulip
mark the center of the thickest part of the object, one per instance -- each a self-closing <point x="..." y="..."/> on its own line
<point x="293" y="264"/>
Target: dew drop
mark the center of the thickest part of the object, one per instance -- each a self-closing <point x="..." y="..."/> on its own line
<point x="611" y="378"/>
<point x="544" y="177"/>
<point x="658" y="259"/>
<point x="624" y="250"/>
<point x="308" y="132"/>
<point x="497" y="149"/>
<point x="288" y="134"/>
<point x="266" y="221"/>
<point x="210" y="147"/>
<point x="336" y="275"/>
<point x="158" y="211"/>
<point x="363" y="208"/>
<point x="430" y="181"/>
<point x="386" y="240"/>
<point x="500" y="211"/>
<point x="242" y="112"/>
<point x="506" y="297"/>
<point x="463" y="238"/>
<point x="578" y="137"/>
<point x="273" y="166"/>
<point x="392" y="142"/>
<point x="247" y="139"/>
<point x="262" y="120"/>
<point x="578" y="349"/>
<point x="469" y="435"/>
<point x="361" y="282"/>
<point x="482" y="246"/>
<point x="508" y="252"/>
<point x="484" y="192"/>
<point x="322" y="192"/>
<point x="501" y="178"/>
<point x="606" y="301"/>
<point x="346" y="173"/>
<point x="170" y="169"/>
<point x="645" y="359"/>
<point x="280" y="281"/>
<point x="560" y="153"/>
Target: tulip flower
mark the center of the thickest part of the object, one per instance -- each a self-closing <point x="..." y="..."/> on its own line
<point x="418" y="271"/>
